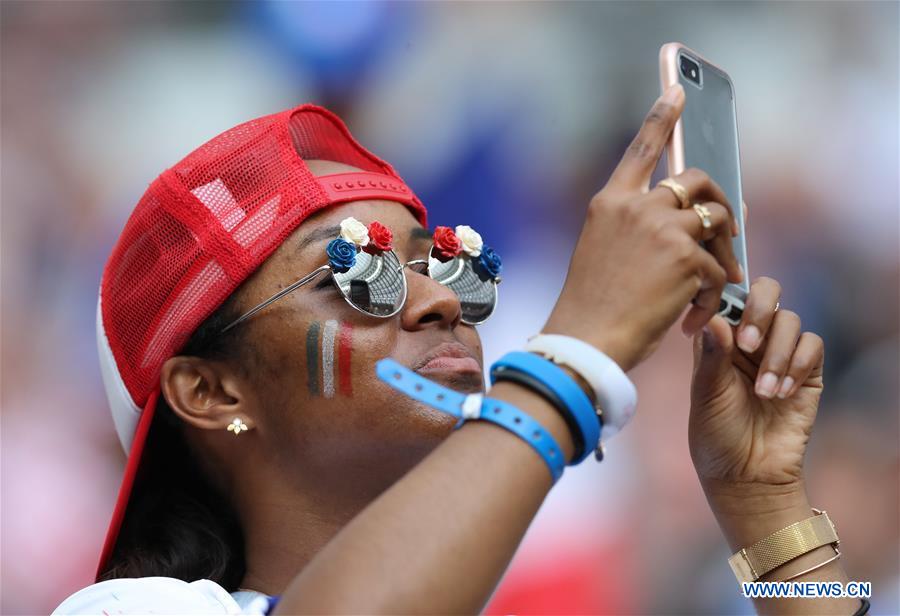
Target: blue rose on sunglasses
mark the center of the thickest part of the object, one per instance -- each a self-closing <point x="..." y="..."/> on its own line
<point x="341" y="254"/>
<point x="490" y="261"/>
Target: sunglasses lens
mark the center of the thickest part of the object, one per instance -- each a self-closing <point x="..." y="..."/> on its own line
<point x="375" y="284"/>
<point x="476" y="289"/>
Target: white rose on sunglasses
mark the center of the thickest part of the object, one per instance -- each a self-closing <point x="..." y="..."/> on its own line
<point x="354" y="231"/>
<point x="470" y="238"/>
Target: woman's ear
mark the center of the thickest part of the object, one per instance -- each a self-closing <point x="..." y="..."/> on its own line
<point x="204" y="393"/>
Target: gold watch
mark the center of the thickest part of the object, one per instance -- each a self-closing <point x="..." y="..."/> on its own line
<point x="750" y="564"/>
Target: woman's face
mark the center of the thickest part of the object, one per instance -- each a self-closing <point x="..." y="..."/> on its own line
<point x="308" y="362"/>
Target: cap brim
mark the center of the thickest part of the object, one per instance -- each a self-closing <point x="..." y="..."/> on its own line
<point x="132" y="465"/>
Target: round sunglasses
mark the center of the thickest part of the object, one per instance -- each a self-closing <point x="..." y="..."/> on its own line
<point x="364" y="267"/>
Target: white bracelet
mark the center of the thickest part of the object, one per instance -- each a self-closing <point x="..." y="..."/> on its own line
<point x="613" y="390"/>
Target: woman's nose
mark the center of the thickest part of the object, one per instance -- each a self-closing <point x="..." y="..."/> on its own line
<point x="429" y="303"/>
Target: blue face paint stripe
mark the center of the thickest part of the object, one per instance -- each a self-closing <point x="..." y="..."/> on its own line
<point x="312" y="358"/>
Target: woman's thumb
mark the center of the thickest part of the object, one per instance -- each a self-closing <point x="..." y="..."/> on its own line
<point x="713" y="346"/>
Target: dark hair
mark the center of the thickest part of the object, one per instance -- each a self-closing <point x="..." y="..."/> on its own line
<point x="179" y="523"/>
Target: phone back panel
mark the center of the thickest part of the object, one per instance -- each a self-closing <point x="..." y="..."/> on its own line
<point x="709" y="138"/>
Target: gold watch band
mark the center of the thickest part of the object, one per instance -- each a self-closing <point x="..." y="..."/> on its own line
<point x="750" y="564"/>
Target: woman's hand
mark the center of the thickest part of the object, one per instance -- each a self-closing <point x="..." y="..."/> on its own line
<point x="638" y="263"/>
<point x="753" y="404"/>
<point x="754" y="400"/>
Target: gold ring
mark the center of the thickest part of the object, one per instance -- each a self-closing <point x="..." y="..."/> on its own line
<point x="679" y="190"/>
<point x="704" y="214"/>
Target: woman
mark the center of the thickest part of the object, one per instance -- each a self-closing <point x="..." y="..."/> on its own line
<point x="281" y="466"/>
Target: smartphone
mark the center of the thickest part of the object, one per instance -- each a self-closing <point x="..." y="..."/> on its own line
<point x="706" y="137"/>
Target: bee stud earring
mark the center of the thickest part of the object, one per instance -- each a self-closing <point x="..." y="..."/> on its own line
<point x="237" y="426"/>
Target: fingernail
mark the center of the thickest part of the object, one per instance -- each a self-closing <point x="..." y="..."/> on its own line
<point x="765" y="386"/>
<point x="786" y="385"/>
<point x="673" y="94"/>
<point x="748" y="338"/>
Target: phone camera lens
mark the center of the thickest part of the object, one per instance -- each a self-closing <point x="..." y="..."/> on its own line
<point x="690" y="69"/>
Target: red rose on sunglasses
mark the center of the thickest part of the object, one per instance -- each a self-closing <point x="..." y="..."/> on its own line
<point x="446" y="243"/>
<point x="380" y="238"/>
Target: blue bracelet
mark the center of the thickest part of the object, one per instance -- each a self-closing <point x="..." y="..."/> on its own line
<point x="272" y="602"/>
<point x="579" y="406"/>
<point x="475" y="406"/>
<point x="511" y="375"/>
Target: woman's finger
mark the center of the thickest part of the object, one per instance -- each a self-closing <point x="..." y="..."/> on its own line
<point x="706" y="302"/>
<point x="715" y="232"/>
<point x="759" y="310"/>
<point x="699" y="186"/>
<point x="781" y="341"/>
<point x="808" y="358"/>
<point x="637" y="165"/>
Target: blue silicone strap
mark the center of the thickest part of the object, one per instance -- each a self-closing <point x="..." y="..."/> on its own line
<point x="474" y="406"/>
<point x="556" y="380"/>
<point x="272" y="602"/>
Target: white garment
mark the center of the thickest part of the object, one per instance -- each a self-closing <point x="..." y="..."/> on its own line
<point x="161" y="595"/>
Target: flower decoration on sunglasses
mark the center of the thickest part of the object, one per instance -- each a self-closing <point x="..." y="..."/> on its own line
<point x="466" y="241"/>
<point x="341" y="254"/>
<point x="471" y="240"/>
<point x="380" y="238"/>
<point x="490" y="261"/>
<point x="354" y="231"/>
<point x="446" y="243"/>
<point x="374" y="239"/>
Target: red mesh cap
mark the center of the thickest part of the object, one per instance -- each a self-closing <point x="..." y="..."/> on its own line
<point x="201" y="229"/>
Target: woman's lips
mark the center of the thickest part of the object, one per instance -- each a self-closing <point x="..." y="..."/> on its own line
<point x="448" y="357"/>
<point x="451" y="364"/>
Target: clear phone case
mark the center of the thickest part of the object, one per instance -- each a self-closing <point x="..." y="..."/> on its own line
<point x="706" y="137"/>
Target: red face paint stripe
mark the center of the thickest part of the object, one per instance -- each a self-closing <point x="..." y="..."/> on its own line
<point x="345" y="339"/>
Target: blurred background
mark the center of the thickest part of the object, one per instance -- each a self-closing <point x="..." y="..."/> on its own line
<point x="507" y="117"/>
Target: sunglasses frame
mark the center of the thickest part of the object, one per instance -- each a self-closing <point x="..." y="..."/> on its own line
<point x="327" y="268"/>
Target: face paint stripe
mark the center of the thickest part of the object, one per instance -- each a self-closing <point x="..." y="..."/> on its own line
<point x="312" y="357"/>
<point x="344" y="345"/>
<point x="328" y="358"/>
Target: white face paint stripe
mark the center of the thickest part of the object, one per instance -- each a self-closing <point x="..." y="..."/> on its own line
<point x="328" y="335"/>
